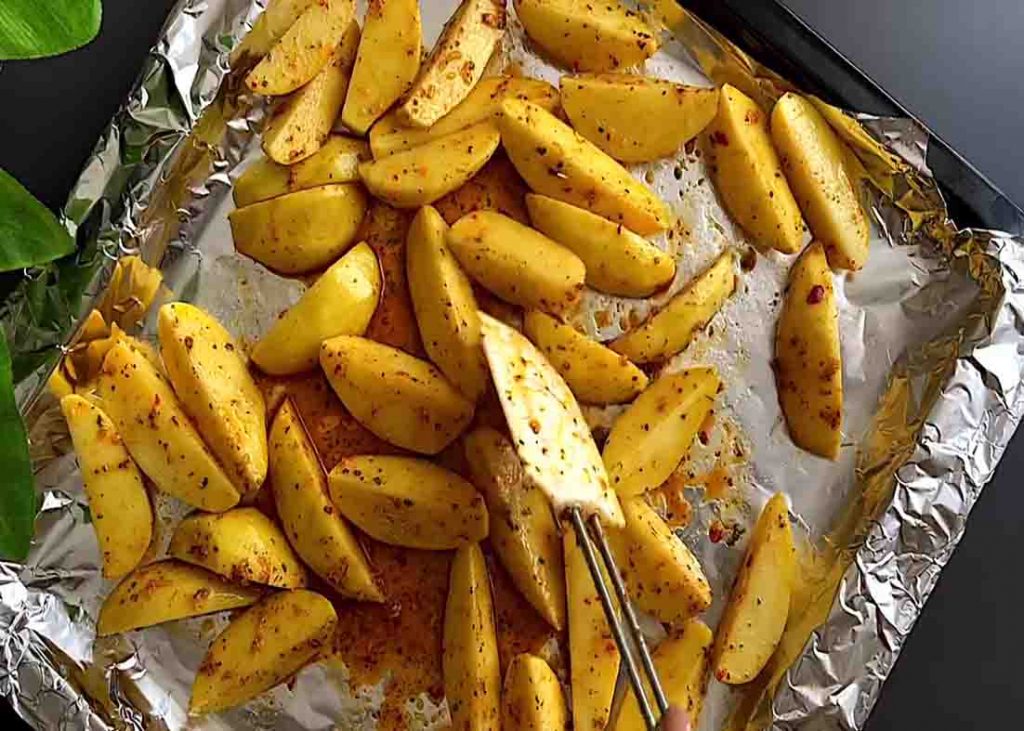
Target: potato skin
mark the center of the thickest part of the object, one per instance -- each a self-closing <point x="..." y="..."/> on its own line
<point x="531" y="696"/>
<point x="336" y="162"/>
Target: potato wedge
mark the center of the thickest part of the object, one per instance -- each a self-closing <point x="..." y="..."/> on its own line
<point x="262" y="180"/>
<point x="445" y="307"/>
<point x="300" y="232"/>
<point x="336" y="162"/>
<point x="420" y="176"/>
<point x="755" y="616"/>
<point x="650" y="437"/>
<point x="618" y="261"/>
<point x="264" y="646"/>
<point x="210" y="376"/>
<point x="808" y="359"/>
<point x="556" y="161"/>
<point x="118" y="502"/>
<point x="341" y="302"/>
<point x="635" y="118"/>
<point x="272" y="23"/>
<point x="515" y="262"/>
<point x="388" y="60"/>
<point x="748" y="175"/>
<point x="531" y="697"/>
<point x="587" y="36"/>
<point x="304" y="49"/>
<point x="159" y="435"/>
<point x="595" y="374"/>
<point x="483" y="104"/>
<point x="165" y="591"/>
<point x="523" y="530"/>
<point x="669" y="330"/>
<point x="408" y="502"/>
<point x="242" y="545"/>
<point x="456" y="62"/>
<point x="814" y="161"/>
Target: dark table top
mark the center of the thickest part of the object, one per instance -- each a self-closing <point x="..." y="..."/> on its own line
<point x="957" y="65"/>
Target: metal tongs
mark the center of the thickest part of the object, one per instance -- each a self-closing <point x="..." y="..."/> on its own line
<point x="559" y="454"/>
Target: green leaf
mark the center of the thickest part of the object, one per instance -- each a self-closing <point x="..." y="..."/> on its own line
<point x="29" y="234"/>
<point x="38" y="28"/>
<point x="17" y="491"/>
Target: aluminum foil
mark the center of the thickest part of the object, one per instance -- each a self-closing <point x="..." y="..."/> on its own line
<point x="932" y="349"/>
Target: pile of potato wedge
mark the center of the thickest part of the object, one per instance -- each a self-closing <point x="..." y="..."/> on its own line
<point x="518" y="200"/>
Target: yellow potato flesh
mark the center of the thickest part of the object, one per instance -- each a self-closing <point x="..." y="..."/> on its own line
<point x="531" y="697"/>
<point x="272" y="23"/>
<point x="262" y="180"/>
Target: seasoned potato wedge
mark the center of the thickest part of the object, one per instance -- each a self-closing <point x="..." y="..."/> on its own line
<point x="650" y="437"/>
<point x="265" y="646"/>
<point x="456" y="62"/>
<point x="408" y="502"/>
<point x="556" y="161"/>
<point x="670" y="329"/>
<point x="483" y="104"/>
<point x="304" y="49"/>
<point x="159" y="435"/>
<point x="808" y="361"/>
<point x="523" y="530"/>
<point x="420" y="176"/>
<point x="531" y="697"/>
<point x="242" y="545"/>
<point x="587" y="36"/>
<point x="618" y="261"/>
<point x="401" y="399"/>
<point x="515" y="262"/>
<point x="815" y="164"/>
<point x="758" y="606"/>
<point x="262" y="180"/>
<point x="341" y="302"/>
<point x="337" y="161"/>
<point x="168" y="590"/>
<point x="748" y="175"/>
<point x="210" y="376"/>
<point x="635" y="118"/>
<point x="272" y="23"/>
<point x="300" y="232"/>
<point x="595" y="374"/>
<point x="389" y="57"/>
<point x="472" y="676"/>
<point x="118" y="502"/>
<point x="313" y="525"/>
<point x="446" y="310"/>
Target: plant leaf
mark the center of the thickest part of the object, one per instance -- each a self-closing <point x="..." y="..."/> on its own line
<point x="38" y="28"/>
<point x="17" y="491"/>
<point x="29" y="233"/>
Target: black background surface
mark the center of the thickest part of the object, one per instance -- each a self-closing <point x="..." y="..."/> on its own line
<point x="957" y="64"/>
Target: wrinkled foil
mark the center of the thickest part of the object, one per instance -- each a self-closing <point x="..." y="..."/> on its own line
<point x="932" y="350"/>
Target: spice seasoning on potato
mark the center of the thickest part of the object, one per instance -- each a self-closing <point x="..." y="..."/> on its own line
<point x="531" y="696"/>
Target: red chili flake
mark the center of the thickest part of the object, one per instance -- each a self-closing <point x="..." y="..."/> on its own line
<point x="720" y="138"/>
<point x="816" y="295"/>
<point x="716" y="532"/>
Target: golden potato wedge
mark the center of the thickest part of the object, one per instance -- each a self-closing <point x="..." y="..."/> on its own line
<point x="389" y="57"/>
<point x="523" y="530"/>
<point x="472" y="675"/>
<point x="445" y="307"/>
<point x="272" y="23"/>
<point x="635" y="118"/>
<point x="595" y="374"/>
<point x="587" y="36"/>
<point x="266" y="645"/>
<point x="758" y="607"/>
<point x="808" y="360"/>
<point x="408" y="502"/>
<point x="316" y="531"/>
<point x="242" y="545"/>
<point x="210" y="376"/>
<point x="118" y="502"/>
<point x="650" y="437"/>
<point x="618" y="261"/>
<point x="483" y="104"/>
<point x="262" y="180"/>
<point x="165" y="591"/>
<point x="300" y="232"/>
<point x="420" y="176"/>
<point x="336" y="162"/>
<point x="556" y="161"/>
<point x="748" y="175"/>
<point x="304" y="49"/>
<point x="531" y="697"/>
<point x="341" y="302"/>
<point x="669" y="330"/>
<point x="515" y="262"/>
<point x="159" y="435"/>
<point x="456" y="62"/>
<point x="814" y="161"/>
